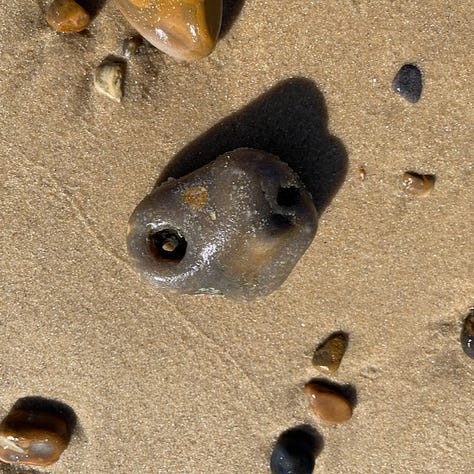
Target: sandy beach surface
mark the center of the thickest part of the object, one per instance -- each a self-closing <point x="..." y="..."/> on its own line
<point x="170" y="384"/>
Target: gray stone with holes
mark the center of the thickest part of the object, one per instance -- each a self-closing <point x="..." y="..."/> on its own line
<point x="235" y="227"/>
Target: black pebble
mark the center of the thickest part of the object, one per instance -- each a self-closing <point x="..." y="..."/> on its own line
<point x="408" y="83"/>
<point x="467" y="335"/>
<point x="295" y="452"/>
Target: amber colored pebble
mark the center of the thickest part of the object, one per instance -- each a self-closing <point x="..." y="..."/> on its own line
<point x="185" y="29"/>
<point x="32" y="437"/>
<point x="418" y="184"/>
<point x="328" y="404"/>
<point x="328" y="355"/>
<point x="67" y="16"/>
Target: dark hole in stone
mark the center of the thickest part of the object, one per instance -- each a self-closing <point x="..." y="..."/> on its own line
<point x="288" y="197"/>
<point x="280" y="223"/>
<point x="168" y="244"/>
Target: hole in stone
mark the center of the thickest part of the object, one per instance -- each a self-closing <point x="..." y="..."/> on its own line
<point x="280" y="223"/>
<point x="288" y="197"/>
<point x="168" y="244"/>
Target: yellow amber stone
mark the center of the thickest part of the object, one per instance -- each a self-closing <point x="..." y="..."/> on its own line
<point x="32" y="437"/>
<point x="184" y="29"/>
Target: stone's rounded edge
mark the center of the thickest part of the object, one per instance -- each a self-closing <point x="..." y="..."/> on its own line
<point x="224" y="212"/>
<point x="175" y="33"/>
<point x="467" y="334"/>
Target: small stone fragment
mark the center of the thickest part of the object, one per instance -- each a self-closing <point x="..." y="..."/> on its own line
<point x="328" y="355"/>
<point x="132" y="46"/>
<point x="362" y="172"/>
<point x="327" y="404"/>
<point x="67" y="16"/>
<point x="467" y="335"/>
<point x="239" y="226"/>
<point x="108" y="78"/>
<point x="418" y="184"/>
<point x="294" y="453"/>
<point x="408" y="83"/>
<point x="32" y="436"/>
<point x="184" y="29"/>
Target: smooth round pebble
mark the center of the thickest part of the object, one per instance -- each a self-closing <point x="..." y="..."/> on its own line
<point x="293" y="453"/>
<point x="467" y="335"/>
<point x="67" y="16"/>
<point x="32" y="436"/>
<point x="408" y="83"/>
<point x="327" y="404"/>
<point x="328" y="355"/>
<point x="416" y="184"/>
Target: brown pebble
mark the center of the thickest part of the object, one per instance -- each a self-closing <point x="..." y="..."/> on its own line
<point x="32" y="437"/>
<point x="418" y="184"/>
<point x="67" y="16"/>
<point x="328" y="404"/>
<point x="328" y="355"/>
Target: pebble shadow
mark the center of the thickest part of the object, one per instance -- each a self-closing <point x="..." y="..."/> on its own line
<point x="290" y="121"/>
<point x="93" y="7"/>
<point x="230" y="12"/>
<point x="348" y="390"/>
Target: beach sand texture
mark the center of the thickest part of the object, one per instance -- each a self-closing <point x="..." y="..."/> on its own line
<point x="170" y="384"/>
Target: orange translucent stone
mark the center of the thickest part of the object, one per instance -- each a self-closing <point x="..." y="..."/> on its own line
<point x="184" y="29"/>
<point x="67" y="16"/>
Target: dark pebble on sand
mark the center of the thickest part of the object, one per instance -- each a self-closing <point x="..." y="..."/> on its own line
<point x="408" y="83"/>
<point x="467" y="335"/>
<point x="294" y="452"/>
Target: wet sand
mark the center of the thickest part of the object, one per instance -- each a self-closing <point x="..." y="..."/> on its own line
<point x="163" y="383"/>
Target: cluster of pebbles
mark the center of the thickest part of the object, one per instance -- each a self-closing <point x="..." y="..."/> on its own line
<point x="254" y="255"/>
<point x="327" y="401"/>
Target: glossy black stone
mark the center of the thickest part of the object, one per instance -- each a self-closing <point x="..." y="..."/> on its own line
<point x="408" y="83"/>
<point x="295" y="452"/>
<point x="467" y="335"/>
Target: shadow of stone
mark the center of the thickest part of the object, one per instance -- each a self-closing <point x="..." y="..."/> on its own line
<point x="296" y="450"/>
<point x="290" y="121"/>
<point x="230" y="12"/>
<point x="93" y="7"/>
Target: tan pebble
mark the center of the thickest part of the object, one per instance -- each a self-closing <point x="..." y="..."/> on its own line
<point x="67" y="16"/>
<point x="328" y="404"/>
<point x="328" y="355"/>
<point x="32" y="437"/>
<point x="108" y="78"/>
<point x="418" y="184"/>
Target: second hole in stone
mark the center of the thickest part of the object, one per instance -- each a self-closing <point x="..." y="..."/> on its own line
<point x="288" y="196"/>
